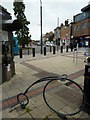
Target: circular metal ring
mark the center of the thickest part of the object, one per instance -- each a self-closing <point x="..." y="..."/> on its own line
<point x="21" y="102"/>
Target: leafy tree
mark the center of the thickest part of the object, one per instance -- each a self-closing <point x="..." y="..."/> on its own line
<point x="22" y="34"/>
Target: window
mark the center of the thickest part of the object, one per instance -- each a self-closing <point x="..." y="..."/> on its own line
<point x="74" y="28"/>
<point x="88" y="24"/>
<point x="84" y="25"/>
<point x="86" y="15"/>
<point x="77" y="27"/>
<point x="78" y="17"/>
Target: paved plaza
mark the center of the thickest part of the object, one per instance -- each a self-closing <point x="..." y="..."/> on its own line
<point x="64" y="96"/>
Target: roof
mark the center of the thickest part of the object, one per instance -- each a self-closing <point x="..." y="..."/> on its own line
<point x="3" y="9"/>
<point x="86" y="8"/>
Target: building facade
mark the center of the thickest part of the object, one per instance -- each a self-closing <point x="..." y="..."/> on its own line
<point x="81" y="26"/>
<point x="48" y="37"/>
<point x="65" y="33"/>
<point x="57" y="35"/>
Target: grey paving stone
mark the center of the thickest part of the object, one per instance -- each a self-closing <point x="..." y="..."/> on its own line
<point x="53" y="116"/>
<point x="7" y="114"/>
<point x="68" y="110"/>
<point x="41" y="112"/>
<point x="38" y="100"/>
<point x="25" y="115"/>
<point x="20" y="111"/>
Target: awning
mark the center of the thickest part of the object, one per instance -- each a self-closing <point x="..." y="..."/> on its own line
<point x="11" y="25"/>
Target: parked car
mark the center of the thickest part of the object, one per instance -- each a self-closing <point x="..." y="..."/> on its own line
<point x="49" y="44"/>
<point x="39" y="44"/>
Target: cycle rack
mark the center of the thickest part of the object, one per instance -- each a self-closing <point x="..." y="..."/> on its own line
<point x="49" y="80"/>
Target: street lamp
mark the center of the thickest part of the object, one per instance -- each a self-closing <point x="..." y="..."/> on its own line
<point x="71" y="37"/>
<point x="41" y="24"/>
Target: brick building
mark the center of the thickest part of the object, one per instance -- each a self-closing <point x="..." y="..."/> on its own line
<point x="81" y="26"/>
<point x="65" y="32"/>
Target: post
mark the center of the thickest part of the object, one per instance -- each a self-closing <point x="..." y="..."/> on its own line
<point x="61" y="49"/>
<point x="71" y="38"/>
<point x="44" y="50"/>
<point x="33" y="52"/>
<point x="20" y="52"/>
<point x="53" y="49"/>
<point x="67" y="48"/>
<point x="73" y="56"/>
<point x="41" y="24"/>
<point x="50" y="48"/>
<point x="71" y="45"/>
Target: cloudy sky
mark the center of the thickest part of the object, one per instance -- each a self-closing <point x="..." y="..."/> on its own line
<point x="51" y="11"/>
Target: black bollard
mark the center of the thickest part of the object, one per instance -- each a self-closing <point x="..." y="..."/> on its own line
<point x="53" y="49"/>
<point x="50" y="48"/>
<point x="71" y="48"/>
<point x="44" y="50"/>
<point x="67" y="48"/>
<point x="61" y="49"/>
<point x="20" y="52"/>
<point x="33" y="52"/>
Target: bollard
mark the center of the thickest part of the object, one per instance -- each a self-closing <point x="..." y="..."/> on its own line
<point x="71" y="48"/>
<point x="67" y="48"/>
<point x="53" y="49"/>
<point x="33" y="52"/>
<point x="61" y="49"/>
<point x="86" y="97"/>
<point x="50" y="48"/>
<point x="44" y="50"/>
<point x="20" y="52"/>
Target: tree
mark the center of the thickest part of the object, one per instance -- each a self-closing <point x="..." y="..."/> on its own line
<point x="22" y="34"/>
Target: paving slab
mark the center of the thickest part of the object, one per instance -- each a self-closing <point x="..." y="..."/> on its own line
<point x="41" y="112"/>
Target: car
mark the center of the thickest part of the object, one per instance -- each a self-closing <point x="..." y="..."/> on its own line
<point x="39" y="44"/>
<point x="51" y="44"/>
<point x="47" y="44"/>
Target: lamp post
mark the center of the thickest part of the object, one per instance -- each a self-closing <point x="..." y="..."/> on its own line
<point x="41" y="24"/>
<point x="71" y="37"/>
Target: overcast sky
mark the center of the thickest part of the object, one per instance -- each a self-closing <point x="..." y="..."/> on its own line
<point x="51" y="11"/>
